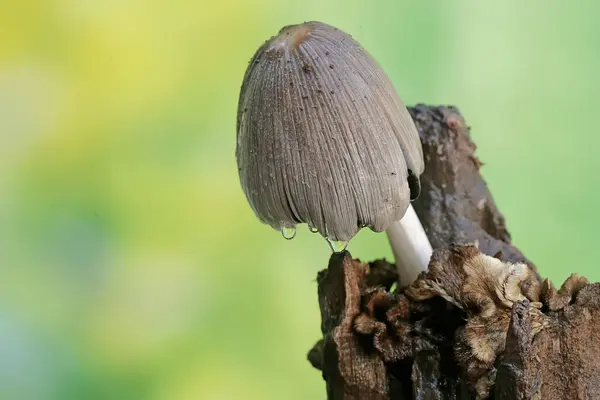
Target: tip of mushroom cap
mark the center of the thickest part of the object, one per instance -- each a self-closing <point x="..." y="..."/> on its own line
<point x="290" y="37"/>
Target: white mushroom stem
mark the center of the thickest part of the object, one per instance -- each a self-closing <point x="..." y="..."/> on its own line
<point x="410" y="246"/>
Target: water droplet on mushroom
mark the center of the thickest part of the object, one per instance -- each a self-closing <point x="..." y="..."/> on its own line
<point x="312" y="229"/>
<point x="337" y="246"/>
<point x="288" y="232"/>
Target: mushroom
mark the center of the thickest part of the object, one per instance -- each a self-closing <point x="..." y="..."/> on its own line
<point x="324" y="139"/>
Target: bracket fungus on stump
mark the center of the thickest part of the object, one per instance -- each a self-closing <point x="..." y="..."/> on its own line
<point x="324" y="139"/>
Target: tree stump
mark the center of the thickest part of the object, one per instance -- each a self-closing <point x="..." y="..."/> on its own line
<point x="480" y="323"/>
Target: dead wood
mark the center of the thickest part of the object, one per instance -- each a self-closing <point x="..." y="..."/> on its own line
<point x="480" y="323"/>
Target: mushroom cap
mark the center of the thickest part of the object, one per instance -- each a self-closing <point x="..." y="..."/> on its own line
<point x="322" y="136"/>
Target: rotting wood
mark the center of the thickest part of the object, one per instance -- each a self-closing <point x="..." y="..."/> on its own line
<point x="473" y="326"/>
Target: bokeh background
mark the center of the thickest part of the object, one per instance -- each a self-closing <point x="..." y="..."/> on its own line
<point x="131" y="266"/>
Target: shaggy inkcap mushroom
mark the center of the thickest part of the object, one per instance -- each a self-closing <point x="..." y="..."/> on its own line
<point x="323" y="139"/>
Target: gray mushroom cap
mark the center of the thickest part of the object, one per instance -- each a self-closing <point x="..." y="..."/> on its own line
<point x="322" y="136"/>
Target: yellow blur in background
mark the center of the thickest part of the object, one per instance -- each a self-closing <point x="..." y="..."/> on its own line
<point x="131" y="266"/>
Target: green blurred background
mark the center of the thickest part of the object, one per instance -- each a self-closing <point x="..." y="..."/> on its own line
<point x="132" y="266"/>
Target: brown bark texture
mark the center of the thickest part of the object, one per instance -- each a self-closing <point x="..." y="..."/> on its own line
<point x="480" y="323"/>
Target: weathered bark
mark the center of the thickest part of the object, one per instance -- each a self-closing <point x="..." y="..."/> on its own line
<point x="472" y="326"/>
<point x="455" y="205"/>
